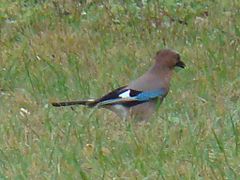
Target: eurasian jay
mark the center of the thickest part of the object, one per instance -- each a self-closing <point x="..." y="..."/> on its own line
<point x="138" y="99"/>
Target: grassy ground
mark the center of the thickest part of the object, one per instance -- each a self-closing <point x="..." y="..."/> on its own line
<point x="59" y="50"/>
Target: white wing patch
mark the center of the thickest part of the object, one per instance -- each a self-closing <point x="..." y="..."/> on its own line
<point x="125" y="94"/>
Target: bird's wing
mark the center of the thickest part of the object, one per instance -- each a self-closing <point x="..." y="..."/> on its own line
<point x="152" y="94"/>
<point x="130" y="97"/>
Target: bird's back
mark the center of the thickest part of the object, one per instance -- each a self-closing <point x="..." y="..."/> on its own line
<point x="150" y="81"/>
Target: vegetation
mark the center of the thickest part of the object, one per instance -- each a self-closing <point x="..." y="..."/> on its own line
<point x="68" y="49"/>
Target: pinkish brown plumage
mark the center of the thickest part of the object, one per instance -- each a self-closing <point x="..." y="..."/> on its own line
<point x="139" y="99"/>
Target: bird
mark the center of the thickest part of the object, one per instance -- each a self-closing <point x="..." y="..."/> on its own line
<point x="140" y="98"/>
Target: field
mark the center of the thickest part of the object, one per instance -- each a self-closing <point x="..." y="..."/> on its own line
<point x="67" y="50"/>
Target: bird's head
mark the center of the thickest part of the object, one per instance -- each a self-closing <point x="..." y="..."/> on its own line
<point x="168" y="58"/>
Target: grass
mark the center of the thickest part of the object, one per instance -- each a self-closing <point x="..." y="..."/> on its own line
<point x="59" y="50"/>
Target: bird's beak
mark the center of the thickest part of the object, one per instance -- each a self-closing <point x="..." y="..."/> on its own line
<point x="180" y="64"/>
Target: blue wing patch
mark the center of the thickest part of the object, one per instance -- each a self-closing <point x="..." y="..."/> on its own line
<point x="148" y="95"/>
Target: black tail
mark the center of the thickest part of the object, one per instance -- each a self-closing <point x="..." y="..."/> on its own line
<point x="89" y="103"/>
